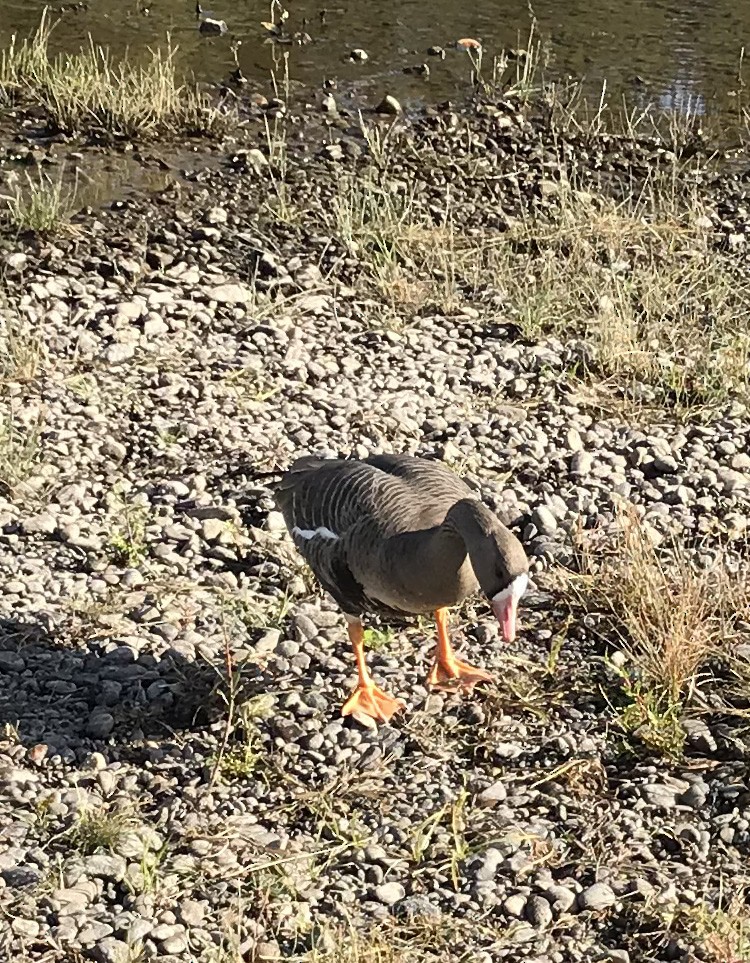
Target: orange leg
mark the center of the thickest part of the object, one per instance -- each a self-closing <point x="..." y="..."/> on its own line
<point x="367" y="704"/>
<point x="448" y="672"/>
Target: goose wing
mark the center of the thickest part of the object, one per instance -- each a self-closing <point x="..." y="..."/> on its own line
<point x="331" y="508"/>
<point x="342" y="510"/>
<point x="430" y="481"/>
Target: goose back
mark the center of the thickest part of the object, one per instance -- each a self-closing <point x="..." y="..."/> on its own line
<point x="397" y="493"/>
<point x="342" y="513"/>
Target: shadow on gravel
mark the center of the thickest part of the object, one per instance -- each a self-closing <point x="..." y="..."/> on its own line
<point x="74" y="695"/>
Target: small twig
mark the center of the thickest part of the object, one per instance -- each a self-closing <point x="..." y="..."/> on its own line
<point x="231" y="705"/>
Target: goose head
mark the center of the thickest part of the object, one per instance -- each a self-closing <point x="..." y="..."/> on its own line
<point x="499" y="561"/>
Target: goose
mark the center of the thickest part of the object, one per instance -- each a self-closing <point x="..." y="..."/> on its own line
<point x="397" y="536"/>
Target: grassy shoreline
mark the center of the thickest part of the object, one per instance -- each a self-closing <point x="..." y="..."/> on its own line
<point x="90" y="94"/>
<point x="615" y="241"/>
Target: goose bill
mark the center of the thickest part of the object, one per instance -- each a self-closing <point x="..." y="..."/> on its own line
<point x="506" y="616"/>
<point x="505" y="606"/>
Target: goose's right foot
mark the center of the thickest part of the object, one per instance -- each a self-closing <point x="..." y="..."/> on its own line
<point x="367" y="704"/>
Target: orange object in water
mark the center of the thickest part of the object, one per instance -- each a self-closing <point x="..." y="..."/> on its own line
<point x="467" y="43"/>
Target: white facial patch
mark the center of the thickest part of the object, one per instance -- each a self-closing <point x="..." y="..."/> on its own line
<point x="308" y="533"/>
<point x="515" y="590"/>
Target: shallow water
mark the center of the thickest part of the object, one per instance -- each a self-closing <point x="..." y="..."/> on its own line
<point x="673" y="53"/>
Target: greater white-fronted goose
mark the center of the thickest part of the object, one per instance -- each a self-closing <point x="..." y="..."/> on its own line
<point x="396" y="535"/>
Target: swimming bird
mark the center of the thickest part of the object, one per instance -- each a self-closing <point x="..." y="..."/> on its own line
<point x="400" y="536"/>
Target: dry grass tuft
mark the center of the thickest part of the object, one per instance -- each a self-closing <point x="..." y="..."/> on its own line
<point x="349" y="946"/>
<point x="20" y="449"/>
<point x="100" y="829"/>
<point x="89" y="92"/>
<point x="439" y="939"/>
<point x="411" y="261"/>
<point x="723" y="933"/>
<point x="420" y="941"/>
<point x="669" y="619"/>
<point x="23" y="353"/>
<point x="662" y="313"/>
<point x="665" y="314"/>
<point x="39" y="204"/>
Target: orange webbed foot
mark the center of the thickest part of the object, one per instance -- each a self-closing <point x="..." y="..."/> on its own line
<point x="455" y="674"/>
<point x="369" y="705"/>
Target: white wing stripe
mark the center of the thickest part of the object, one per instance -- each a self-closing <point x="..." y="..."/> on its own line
<point x="308" y="533"/>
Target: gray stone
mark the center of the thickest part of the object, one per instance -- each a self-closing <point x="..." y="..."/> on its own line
<point x="275" y="522"/>
<point x="267" y="951"/>
<point x="11" y="662"/>
<point x="165" y="931"/>
<point x="581" y="463"/>
<point x="599" y="896"/>
<point x="496" y="793"/>
<point x="192" y="912"/>
<point x="389" y="893"/>
<point x="106" y="866"/>
<point x="522" y="933"/>
<point x="139" y="929"/>
<point x="16" y="261"/>
<point x="26" y="928"/>
<point x="93" y="932"/>
<point x="118" y="353"/>
<point x="538" y="911"/>
<point x="100" y="724"/>
<point x="111" y="950"/>
<point x="544" y="520"/>
<point x="22" y="777"/>
<point x="154" y="327"/>
<point x="174" y="945"/>
<point x="231" y="294"/>
<point x="491" y="859"/>
<point x="389" y="105"/>
<point x="695" y="796"/>
<point x="417" y="907"/>
<point x="665" y="464"/>
<point x="699" y="736"/>
<point x="305" y="628"/>
<point x="562" y="898"/>
<point x="115" y="449"/>
<point x="217" y="216"/>
<point x="17" y="877"/>
<point x="515" y="905"/>
<point x="507" y="750"/>
<point x="256" y="158"/>
<point x="660" y="795"/>
<point x="43" y="523"/>
<point x="71" y="900"/>
<point x="107" y="782"/>
<point x="212" y="529"/>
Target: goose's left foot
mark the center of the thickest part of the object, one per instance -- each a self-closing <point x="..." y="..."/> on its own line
<point x="369" y="705"/>
<point x="448" y="672"/>
<point x="456" y="674"/>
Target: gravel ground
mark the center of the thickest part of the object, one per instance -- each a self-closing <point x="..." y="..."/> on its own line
<point x="175" y="780"/>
